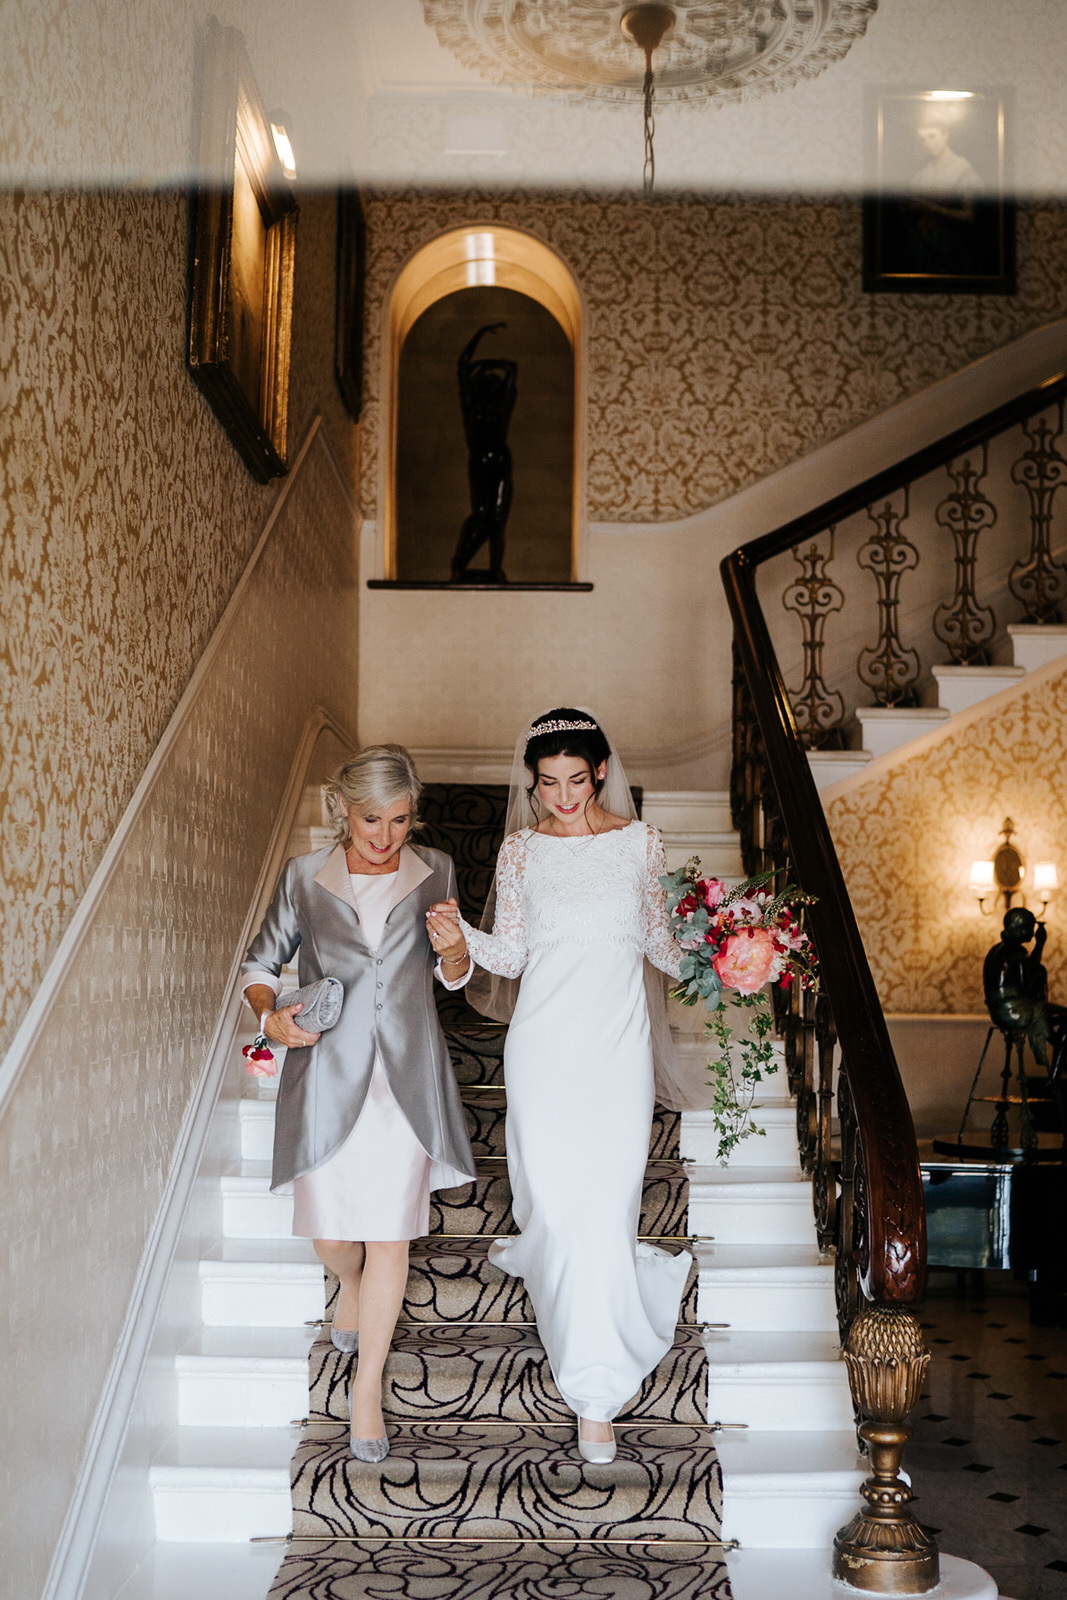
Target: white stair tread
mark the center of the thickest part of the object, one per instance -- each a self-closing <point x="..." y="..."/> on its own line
<point x="770" y="1348"/>
<point x="773" y="1458"/>
<point x="208" y="1571"/>
<point x="806" y="1575"/>
<point x="225" y="1454"/>
<point x="226" y="1346"/>
<point x="759" y="1259"/>
<point x="762" y="1181"/>
<point x="247" y="1177"/>
<point x="772" y="1108"/>
<point x="255" y="1111"/>
<point x="268" y="1256"/>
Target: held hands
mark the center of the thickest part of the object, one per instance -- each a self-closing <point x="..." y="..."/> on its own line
<point x="446" y="936"/>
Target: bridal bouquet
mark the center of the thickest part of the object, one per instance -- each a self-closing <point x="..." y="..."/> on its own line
<point x="736" y="940"/>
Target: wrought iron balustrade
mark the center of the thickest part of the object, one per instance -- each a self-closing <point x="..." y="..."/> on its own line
<point x="866" y="1183"/>
<point x="951" y="554"/>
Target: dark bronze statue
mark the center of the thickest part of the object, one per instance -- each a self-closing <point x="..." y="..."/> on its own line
<point x="1016" y="995"/>
<point x="487" y="391"/>
<point x="1016" y="983"/>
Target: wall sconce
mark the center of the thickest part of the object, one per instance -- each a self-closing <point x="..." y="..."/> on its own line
<point x="283" y="144"/>
<point x="981" y="882"/>
<point x="1046" y="882"/>
<point x="1004" y="875"/>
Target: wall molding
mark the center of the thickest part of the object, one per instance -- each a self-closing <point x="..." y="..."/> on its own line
<point x="107" y="1429"/>
<point x="70" y="1565"/>
<point x="995" y="703"/>
<point x="14" y="1061"/>
<point x="871" y="445"/>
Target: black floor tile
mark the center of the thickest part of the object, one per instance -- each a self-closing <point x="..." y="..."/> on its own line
<point x="951" y="1479"/>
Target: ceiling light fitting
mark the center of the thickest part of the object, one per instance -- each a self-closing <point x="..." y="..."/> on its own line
<point x="647" y="26"/>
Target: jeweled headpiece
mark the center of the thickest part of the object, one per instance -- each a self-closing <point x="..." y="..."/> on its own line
<point x="558" y="727"/>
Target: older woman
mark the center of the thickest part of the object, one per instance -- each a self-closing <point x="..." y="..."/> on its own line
<point x="369" y="1116"/>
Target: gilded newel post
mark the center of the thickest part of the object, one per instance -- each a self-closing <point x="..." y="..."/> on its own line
<point x="883" y="1549"/>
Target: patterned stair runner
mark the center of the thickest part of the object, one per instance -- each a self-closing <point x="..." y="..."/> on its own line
<point x="483" y="1495"/>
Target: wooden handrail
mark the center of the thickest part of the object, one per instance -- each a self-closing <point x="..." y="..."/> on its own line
<point x="891" y="1235"/>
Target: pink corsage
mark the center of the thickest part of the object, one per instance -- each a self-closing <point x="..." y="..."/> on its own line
<point x="259" y="1058"/>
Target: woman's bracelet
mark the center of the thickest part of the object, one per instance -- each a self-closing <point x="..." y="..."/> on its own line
<point x="456" y="961"/>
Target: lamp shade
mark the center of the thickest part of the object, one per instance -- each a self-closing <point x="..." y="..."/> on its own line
<point x="981" y="879"/>
<point x="1045" y="875"/>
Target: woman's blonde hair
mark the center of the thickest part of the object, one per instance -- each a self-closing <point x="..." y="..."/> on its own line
<point x="377" y="778"/>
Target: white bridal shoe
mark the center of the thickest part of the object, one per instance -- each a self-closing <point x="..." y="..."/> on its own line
<point x="596" y="1451"/>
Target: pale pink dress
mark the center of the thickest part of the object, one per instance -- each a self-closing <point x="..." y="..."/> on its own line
<point x="377" y="1185"/>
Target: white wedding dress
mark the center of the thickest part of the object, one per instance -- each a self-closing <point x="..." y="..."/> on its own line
<point x="577" y="917"/>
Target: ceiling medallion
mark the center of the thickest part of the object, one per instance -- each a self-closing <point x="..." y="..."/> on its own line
<point x="725" y="50"/>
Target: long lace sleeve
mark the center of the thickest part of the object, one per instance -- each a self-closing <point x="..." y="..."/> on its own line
<point x="503" y="951"/>
<point x="660" y="947"/>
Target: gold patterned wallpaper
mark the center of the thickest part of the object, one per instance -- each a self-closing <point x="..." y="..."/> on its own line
<point x="125" y="519"/>
<point x="906" y="840"/>
<point x="724" y="339"/>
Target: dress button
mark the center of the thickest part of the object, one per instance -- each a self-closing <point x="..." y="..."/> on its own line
<point x="378" y="1007"/>
<point x="381" y="986"/>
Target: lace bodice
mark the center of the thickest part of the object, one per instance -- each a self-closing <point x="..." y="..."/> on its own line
<point x="599" y="889"/>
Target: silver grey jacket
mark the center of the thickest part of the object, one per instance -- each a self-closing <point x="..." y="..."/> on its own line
<point x="388" y="1009"/>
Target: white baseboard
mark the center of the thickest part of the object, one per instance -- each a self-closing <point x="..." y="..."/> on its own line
<point x="87" y="1520"/>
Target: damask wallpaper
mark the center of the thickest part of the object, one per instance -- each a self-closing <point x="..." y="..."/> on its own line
<point x="724" y="339"/>
<point x="906" y="839"/>
<point x="126" y="519"/>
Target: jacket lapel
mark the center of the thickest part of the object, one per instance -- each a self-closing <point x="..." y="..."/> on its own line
<point x="412" y="871"/>
<point x="333" y="876"/>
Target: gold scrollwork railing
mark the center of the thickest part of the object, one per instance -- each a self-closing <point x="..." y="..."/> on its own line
<point x="867" y="1187"/>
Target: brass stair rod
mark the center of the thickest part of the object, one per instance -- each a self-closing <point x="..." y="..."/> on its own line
<point x="405" y="1538"/>
<point x="320" y="1420"/>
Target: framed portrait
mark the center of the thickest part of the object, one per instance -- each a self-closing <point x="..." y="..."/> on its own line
<point x="937" y="214"/>
<point x="348" y="343"/>
<point x="244" y="251"/>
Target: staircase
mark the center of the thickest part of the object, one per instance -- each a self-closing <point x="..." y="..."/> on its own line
<point x="884" y="730"/>
<point x="482" y="1448"/>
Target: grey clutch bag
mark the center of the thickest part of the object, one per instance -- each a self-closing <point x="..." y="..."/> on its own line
<point x="321" y="1001"/>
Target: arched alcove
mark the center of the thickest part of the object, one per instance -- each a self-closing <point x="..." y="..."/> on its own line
<point x="456" y="284"/>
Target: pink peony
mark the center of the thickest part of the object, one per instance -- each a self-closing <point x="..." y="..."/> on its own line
<point x="748" y="960"/>
<point x="712" y="891"/>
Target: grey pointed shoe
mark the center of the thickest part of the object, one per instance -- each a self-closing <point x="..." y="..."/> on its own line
<point x="369" y="1449"/>
<point x="345" y="1339"/>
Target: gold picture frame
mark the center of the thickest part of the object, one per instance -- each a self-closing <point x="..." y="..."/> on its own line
<point x="938" y="213"/>
<point x="351" y="273"/>
<point x="244" y="253"/>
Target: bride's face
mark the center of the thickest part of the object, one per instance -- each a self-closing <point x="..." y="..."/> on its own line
<point x="566" y="785"/>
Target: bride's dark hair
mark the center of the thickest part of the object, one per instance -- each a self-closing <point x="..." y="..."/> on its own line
<point x="586" y="743"/>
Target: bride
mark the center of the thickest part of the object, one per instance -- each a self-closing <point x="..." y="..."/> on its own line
<point x="578" y="909"/>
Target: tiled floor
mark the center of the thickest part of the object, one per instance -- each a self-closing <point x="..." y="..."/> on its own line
<point x="989" y="1457"/>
